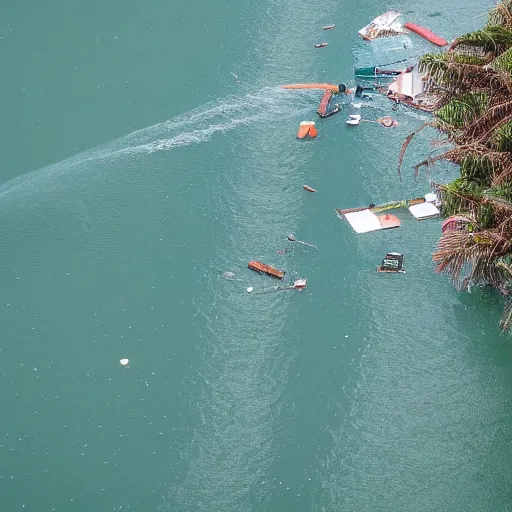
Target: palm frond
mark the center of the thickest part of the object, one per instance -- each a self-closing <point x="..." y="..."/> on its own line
<point x="406" y="143"/>
<point x="493" y="39"/>
<point x="501" y="14"/>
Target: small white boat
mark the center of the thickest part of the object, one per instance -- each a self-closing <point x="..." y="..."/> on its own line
<point x="353" y="119"/>
<point x="300" y="284"/>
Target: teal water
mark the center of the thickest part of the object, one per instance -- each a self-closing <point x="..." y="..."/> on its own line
<point x="136" y="170"/>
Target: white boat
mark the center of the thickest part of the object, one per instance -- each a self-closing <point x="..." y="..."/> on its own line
<point x="300" y="284"/>
<point x="353" y="119"/>
<point x="412" y="88"/>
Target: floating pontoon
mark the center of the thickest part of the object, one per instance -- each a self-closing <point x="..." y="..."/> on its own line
<point x="265" y="269"/>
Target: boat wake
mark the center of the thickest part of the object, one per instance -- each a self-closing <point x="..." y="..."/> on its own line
<point x="194" y="127"/>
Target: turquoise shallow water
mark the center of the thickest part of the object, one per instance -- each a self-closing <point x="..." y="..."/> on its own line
<point x="364" y="392"/>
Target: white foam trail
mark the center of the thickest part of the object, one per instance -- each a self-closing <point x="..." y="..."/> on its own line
<point x="196" y="126"/>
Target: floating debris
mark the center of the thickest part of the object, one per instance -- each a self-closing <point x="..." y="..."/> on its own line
<point x="291" y="238"/>
<point x="124" y="362"/>
<point x="387" y="121"/>
<point x="250" y="289"/>
<point x="324" y="87"/>
<point x="329" y="27"/>
<point x="308" y="188"/>
<point x="298" y="284"/>
<point x="229" y="275"/>
<point x="392" y="262"/>
<point x="321" y="45"/>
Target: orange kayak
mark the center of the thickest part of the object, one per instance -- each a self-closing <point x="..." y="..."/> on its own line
<point x="265" y="269"/>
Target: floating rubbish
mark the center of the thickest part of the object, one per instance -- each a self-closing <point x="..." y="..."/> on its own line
<point x="321" y="45"/>
<point x="329" y="27"/>
<point x="387" y="122"/>
<point x="308" y="188"/>
<point x="124" y="362"/>
<point x="229" y="275"/>
<point x="393" y="263"/>
<point x="292" y="238"/>
<point x="298" y="284"/>
<point x="250" y="289"/>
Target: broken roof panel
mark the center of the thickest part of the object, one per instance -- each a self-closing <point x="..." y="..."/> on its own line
<point x="384" y="25"/>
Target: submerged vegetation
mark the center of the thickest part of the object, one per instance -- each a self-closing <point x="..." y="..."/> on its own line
<point x="473" y="80"/>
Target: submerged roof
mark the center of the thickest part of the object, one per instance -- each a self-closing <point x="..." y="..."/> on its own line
<point x="424" y="211"/>
<point x="382" y="25"/>
<point x="365" y="221"/>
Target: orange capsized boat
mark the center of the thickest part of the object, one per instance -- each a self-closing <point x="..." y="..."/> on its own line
<point x="266" y="269"/>
<point x="307" y="128"/>
<point x="324" y="87"/>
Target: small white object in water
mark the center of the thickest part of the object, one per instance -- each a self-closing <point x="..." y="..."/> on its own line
<point x="250" y="289"/>
<point x="124" y="362"/>
<point x="356" y="105"/>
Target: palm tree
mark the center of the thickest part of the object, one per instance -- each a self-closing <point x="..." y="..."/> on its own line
<point x="474" y="112"/>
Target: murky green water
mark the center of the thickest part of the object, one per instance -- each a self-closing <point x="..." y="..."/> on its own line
<point x="137" y="170"/>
